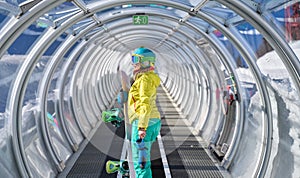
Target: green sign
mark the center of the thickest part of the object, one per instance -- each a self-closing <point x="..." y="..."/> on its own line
<point x="140" y="19"/>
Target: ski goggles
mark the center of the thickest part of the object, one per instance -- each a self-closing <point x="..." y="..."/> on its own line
<point x="137" y="58"/>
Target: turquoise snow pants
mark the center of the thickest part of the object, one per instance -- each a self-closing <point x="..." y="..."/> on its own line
<point x="151" y="134"/>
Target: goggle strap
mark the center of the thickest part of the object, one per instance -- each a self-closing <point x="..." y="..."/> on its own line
<point x="136" y="58"/>
<point x="151" y="59"/>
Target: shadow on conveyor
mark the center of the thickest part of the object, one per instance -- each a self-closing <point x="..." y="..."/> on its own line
<point x="185" y="155"/>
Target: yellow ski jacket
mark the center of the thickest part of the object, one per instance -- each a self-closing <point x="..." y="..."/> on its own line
<point x="142" y="99"/>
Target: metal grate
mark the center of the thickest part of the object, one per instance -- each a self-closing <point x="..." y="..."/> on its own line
<point x="89" y="164"/>
<point x="196" y="161"/>
<point x="186" y="156"/>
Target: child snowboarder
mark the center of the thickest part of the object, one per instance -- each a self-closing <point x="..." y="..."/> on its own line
<point x="142" y="110"/>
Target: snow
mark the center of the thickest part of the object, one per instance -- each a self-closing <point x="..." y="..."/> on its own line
<point x="271" y="64"/>
<point x="285" y="156"/>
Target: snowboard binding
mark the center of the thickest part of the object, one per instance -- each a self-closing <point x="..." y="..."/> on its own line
<point x="118" y="166"/>
<point x="113" y="116"/>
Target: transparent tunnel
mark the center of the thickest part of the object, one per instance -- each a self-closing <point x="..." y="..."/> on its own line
<point x="230" y="69"/>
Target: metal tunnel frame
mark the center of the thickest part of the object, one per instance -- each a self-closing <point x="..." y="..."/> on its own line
<point x="86" y="98"/>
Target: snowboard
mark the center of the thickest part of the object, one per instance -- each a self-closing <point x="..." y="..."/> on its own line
<point x="125" y="165"/>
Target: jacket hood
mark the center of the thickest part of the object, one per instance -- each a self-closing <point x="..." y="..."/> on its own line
<point x="154" y="77"/>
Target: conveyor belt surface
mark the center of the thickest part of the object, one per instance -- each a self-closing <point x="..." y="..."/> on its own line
<point x="186" y="157"/>
<point x="185" y="153"/>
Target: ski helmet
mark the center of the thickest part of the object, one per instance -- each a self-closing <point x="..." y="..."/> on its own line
<point x="141" y="55"/>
